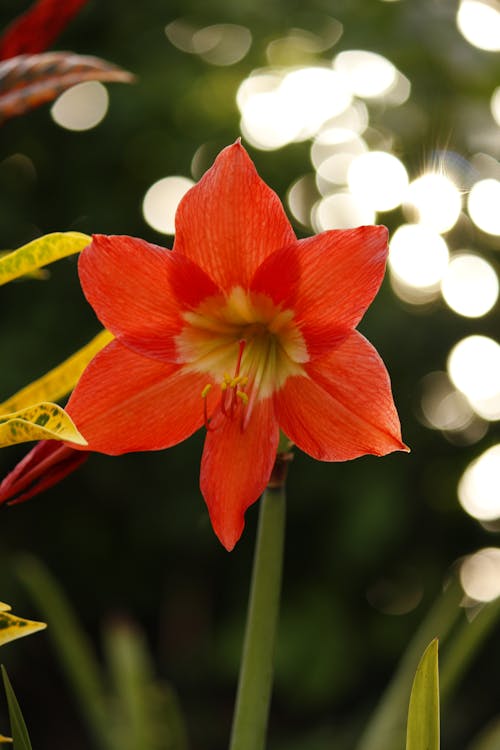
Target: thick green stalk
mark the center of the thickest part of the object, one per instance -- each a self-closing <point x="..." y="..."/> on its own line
<point x="256" y="671"/>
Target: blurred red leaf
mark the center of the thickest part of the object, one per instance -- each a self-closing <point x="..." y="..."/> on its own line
<point x="36" y="29"/>
<point x="27" y="81"/>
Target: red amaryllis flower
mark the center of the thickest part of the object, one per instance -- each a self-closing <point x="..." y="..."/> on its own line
<point x="241" y="328"/>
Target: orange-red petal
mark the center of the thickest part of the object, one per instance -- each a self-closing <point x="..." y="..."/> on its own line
<point x="139" y="291"/>
<point x="236" y="467"/>
<point x="328" y="281"/>
<point x="126" y="402"/>
<point x="231" y="220"/>
<point x="344" y="409"/>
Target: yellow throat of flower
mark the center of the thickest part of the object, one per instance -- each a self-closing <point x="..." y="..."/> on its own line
<point x="245" y="343"/>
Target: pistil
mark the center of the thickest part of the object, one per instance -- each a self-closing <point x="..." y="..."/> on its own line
<point x="231" y="388"/>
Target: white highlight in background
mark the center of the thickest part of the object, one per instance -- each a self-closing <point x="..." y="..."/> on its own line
<point x="340" y="211"/>
<point x="484" y="205"/>
<point x="161" y="202"/>
<point x="480" y="574"/>
<point x="436" y="199"/>
<point x="418" y="256"/>
<point x="369" y="74"/>
<point x="495" y="105"/>
<point x="470" y="285"/>
<point x="478" y="488"/>
<point x="81" y="107"/>
<point x="379" y="179"/>
<point x="479" y="23"/>
<point x="278" y="108"/>
<point x="474" y="367"/>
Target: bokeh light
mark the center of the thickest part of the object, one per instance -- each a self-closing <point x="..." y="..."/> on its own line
<point x="161" y="201"/>
<point x="418" y="256"/>
<point x="334" y="171"/>
<point x="436" y="201"/>
<point x="484" y="205"/>
<point x="81" y="107"/>
<point x="332" y="141"/>
<point x="341" y="211"/>
<point x="379" y="179"/>
<point x="478" y="487"/>
<point x="479" y="22"/>
<point x="480" y="574"/>
<point x="218" y="44"/>
<point x="292" y="105"/>
<point x="318" y="95"/>
<point x="495" y="105"/>
<point x="474" y="367"/>
<point x="443" y="406"/>
<point x="301" y="197"/>
<point x="222" y="43"/>
<point x="470" y="285"/>
<point x="266" y="121"/>
<point x="369" y="74"/>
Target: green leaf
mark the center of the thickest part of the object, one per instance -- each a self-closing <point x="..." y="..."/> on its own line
<point x="59" y="381"/>
<point x="386" y="728"/>
<point x="74" y="649"/>
<point x="41" y="252"/>
<point x="43" y="421"/>
<point x="465" y="644"/>
<point x="17" y="724"/>
<point x="146" y="714"/>
<point x="423" y="714"/>
<point x="12" y="627"/>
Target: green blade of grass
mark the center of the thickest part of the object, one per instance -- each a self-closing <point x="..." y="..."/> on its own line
<point x="17" y="724"/>
<point x="423" y="714"/>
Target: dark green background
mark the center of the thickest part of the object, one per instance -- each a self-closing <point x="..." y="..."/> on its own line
<point x="130" y="535"/>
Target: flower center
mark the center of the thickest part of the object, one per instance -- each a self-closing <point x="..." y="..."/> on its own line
<point x="245" y="343"/>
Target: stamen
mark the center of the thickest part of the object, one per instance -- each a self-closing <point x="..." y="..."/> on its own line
<point x="231" y="390"/>
<point x="242" y="344"/>
<point x="206" y="390"/>
<point x="204" y="395"/>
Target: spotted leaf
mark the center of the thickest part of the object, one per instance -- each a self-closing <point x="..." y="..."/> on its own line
<point x="44" y="421"/>
<point x="40" y="252"/>
<point x="12" y="627"/>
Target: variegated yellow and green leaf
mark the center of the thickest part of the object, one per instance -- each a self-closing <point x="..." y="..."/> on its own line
<point x="12" y="627"/>
<point x="41" y="252"/>
<point x="5" y="739"/>
<point x="44" y="421"/>
<point x="59" y="381"/>
<point x="41" y="274"/>
<point x="5" y="607"/>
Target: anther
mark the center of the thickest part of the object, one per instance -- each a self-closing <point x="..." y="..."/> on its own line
<point x="206" y="390"/>
<point x="243" y="396"/>
<point x="204" y="395"/>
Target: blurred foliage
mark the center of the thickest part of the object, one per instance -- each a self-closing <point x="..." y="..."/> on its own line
<point x="369" y="543"/>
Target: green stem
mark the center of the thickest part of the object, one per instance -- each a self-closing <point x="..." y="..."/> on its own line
<point x="256" y="671"/>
